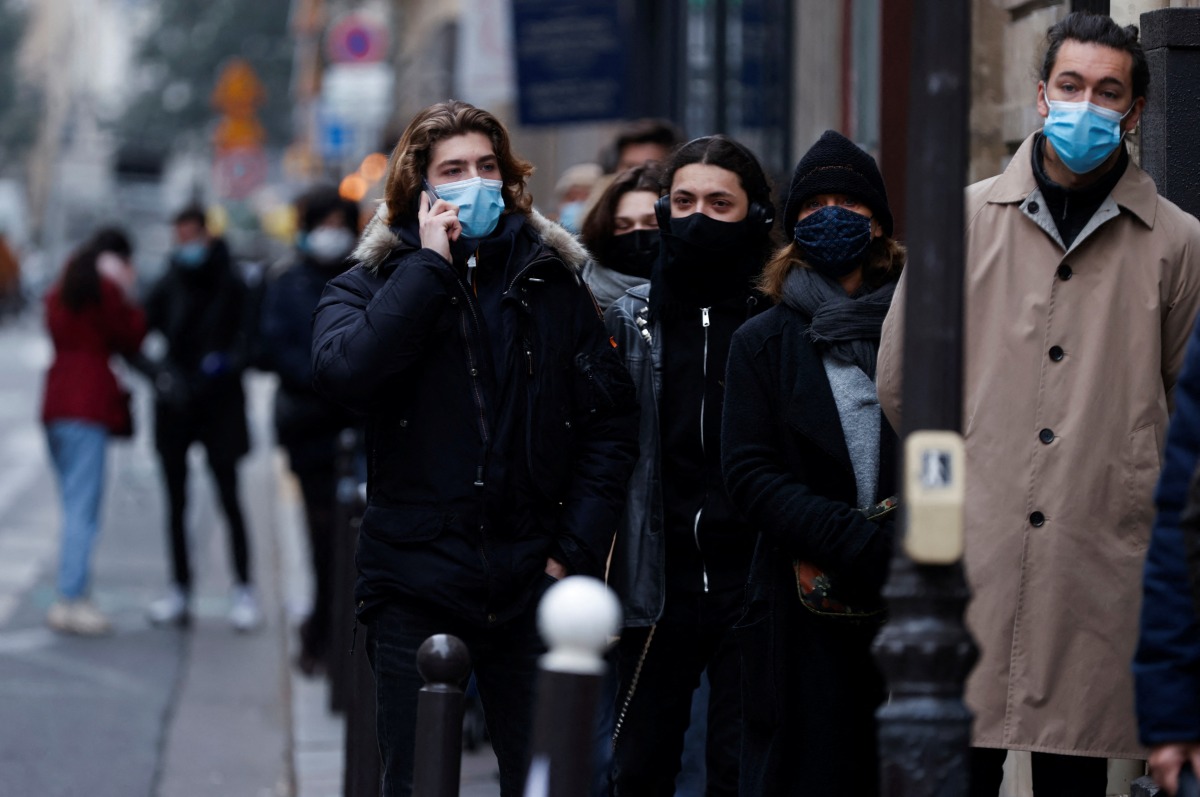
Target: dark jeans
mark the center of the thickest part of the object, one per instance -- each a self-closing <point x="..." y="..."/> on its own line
<point x="224" y="472"/>
<point x="318" y="484"/>
<point x="505" y="663"/>
<point x="1079" y="776"/>
<point x="693" y="635"/>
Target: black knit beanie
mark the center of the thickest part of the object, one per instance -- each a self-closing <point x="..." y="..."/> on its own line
<point x="836" y="165"/>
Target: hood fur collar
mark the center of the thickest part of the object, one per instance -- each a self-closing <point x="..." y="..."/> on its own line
<point x="379" y="242"/>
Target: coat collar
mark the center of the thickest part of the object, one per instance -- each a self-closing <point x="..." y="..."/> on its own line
<point x="1135" y="191"/>
<point x="380" y="242"/>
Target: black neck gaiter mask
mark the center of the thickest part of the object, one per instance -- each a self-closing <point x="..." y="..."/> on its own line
<point x="704" y="262"/>
<point x="633" y="253"/>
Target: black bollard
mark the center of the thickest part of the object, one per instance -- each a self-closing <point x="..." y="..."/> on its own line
<point x="577" y="617"/>
<point x="1171" y="122"/>
<point x="347" y="510"/>
<point x="444" y="664"/>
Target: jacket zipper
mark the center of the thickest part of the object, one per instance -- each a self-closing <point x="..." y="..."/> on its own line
<point x="704" y="320"/>
<point x="474" y="368"/>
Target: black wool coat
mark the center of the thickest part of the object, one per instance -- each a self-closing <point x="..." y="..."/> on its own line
<point x="810" y="686"/>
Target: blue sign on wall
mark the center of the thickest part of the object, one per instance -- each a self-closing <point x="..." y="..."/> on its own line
<point x="570" y="61"/>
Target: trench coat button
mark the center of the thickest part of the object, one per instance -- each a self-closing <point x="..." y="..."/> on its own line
<point x="1046" y="436"/>
<point x="1032" y="207"/>
<point x="1057" y="353"/>
<point x="491" y="618"/>
<point x="403" y="423"/>
<point x="1064" y="272"/>
<point x="1037" y="519"/>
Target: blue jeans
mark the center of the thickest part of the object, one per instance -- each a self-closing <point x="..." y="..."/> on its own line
<point x="504" y="660"/>
<point x="77" y="449"/>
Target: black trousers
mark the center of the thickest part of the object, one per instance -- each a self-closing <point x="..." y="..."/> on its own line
<point x="224" y="473"/>
<point x="694" y="634"/>
<point x="317" y="485"/>
<point x="1078" y="776"/>
<point x="505" y="663"/>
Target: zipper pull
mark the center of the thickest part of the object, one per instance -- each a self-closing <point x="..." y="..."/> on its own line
<point x="479" y="476"/>
<point x="529" y="358"/>
<point x="704" y="316"/>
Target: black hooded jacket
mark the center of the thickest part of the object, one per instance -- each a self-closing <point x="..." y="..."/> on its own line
<point x="500" y="431"/>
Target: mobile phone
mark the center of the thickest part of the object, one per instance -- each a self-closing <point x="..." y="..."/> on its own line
<point x="429" y="192"/>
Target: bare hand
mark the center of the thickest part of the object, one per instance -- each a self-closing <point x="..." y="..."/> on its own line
<point x="439" y="225"/>
<point x="1166" y="760"/>
<point x="555" y="569"/>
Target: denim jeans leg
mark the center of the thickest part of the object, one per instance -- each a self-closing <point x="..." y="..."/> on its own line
<point x="506" y="667"/>
<point x="78" y="451"/>
<point x="393" y="636"/>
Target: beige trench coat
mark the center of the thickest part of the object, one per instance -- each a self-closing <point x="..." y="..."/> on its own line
<point x="1070" y="360"/>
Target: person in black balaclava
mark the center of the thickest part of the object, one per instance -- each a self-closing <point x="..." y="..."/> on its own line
<point x="621" y="232"/>
<point x="306" y="424"/>
<point x="682" y="553"/>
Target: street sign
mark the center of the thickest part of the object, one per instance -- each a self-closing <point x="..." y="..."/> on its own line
<point x="357" y="39"/>
<point x="570" y="61"/>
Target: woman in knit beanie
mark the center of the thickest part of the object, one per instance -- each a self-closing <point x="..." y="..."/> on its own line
<point x="809" y="460"/>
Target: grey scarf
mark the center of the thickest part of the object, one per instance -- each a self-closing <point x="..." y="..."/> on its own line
<point x="848" y="327"/>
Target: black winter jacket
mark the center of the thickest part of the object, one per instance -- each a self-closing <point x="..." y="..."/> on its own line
<point x="306" y="423"/>
<point x="452" y="522"/>
<point x="201" y="313"/>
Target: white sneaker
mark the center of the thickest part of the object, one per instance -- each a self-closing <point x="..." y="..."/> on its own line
<point x="59" y="616"/>
<point x="171" y="609"/>
<point x="78" y="617"/>
<point x="87" y="620"/>
<point x="244" y="614"/>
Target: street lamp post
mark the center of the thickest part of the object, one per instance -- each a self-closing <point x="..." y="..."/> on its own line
<point x="924" y="649"/>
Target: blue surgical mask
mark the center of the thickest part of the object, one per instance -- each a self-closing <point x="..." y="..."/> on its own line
<point x="570" y="215"/>
<point x="191" y="255"/>
<point x="834" y="240"/>
<point x="479" y="202"/>
<point x="1083" y="135"/>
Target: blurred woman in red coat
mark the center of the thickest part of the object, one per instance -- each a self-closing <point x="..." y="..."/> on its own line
<point x="91" y="316"/>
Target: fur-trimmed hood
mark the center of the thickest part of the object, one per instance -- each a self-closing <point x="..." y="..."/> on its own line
<point x="379" y="242"/>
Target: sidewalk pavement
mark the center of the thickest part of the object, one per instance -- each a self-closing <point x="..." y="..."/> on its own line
<point x="149" y="711"/>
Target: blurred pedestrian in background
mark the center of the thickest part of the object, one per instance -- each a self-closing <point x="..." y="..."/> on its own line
<point x="809" y="459"/>
<point x="11" y="299"/>
<point x="621" y="233"/>
<point x="573" y="190"/>
<point x="307" y="424"/>
<point x="91" y="316"/>
<point x="1081" y="289"/>
<point x="198" y="306"/>
<point x="642" y="141"/>
<point x="683" y="550"/>
<point x="501" y="425"/>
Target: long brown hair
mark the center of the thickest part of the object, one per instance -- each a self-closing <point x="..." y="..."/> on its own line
<point x="885" y="261"/>
<point x="410" y="159"/>
<point x="598" y="226"/>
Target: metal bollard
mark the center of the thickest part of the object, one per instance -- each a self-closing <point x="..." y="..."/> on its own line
<point x="1143" y="787"/>
<point x="576" y="617"/>
<point x="444" y="664"/>
<point x="346" y="512"/>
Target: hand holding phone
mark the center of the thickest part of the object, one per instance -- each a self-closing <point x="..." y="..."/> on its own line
<point x="438" y="220"/>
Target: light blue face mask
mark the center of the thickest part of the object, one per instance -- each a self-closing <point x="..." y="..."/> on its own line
<point x="191" y="255"/>
<point x="479" y="202"/>
<point x="1083" y="134"/>
<point x="570" y="215"/>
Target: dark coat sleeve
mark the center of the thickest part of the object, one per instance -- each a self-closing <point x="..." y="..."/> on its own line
<point x="606" y="420"/>
<point x="1166" y="666"/>
<point x="285" y="331"/>
<point x="368" y="329"/>
<point x="763" y="486"/>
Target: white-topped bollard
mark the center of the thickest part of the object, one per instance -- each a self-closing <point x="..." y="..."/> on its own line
<point x="577" y="617"/>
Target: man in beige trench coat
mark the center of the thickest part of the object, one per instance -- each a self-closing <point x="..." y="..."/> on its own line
<point x="1081" y="287"/>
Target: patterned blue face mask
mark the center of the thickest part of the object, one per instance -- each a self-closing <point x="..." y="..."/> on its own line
<point x="834" y="240"/>
<point x="1083" y="135"/>
<point x="479" y="202"/>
